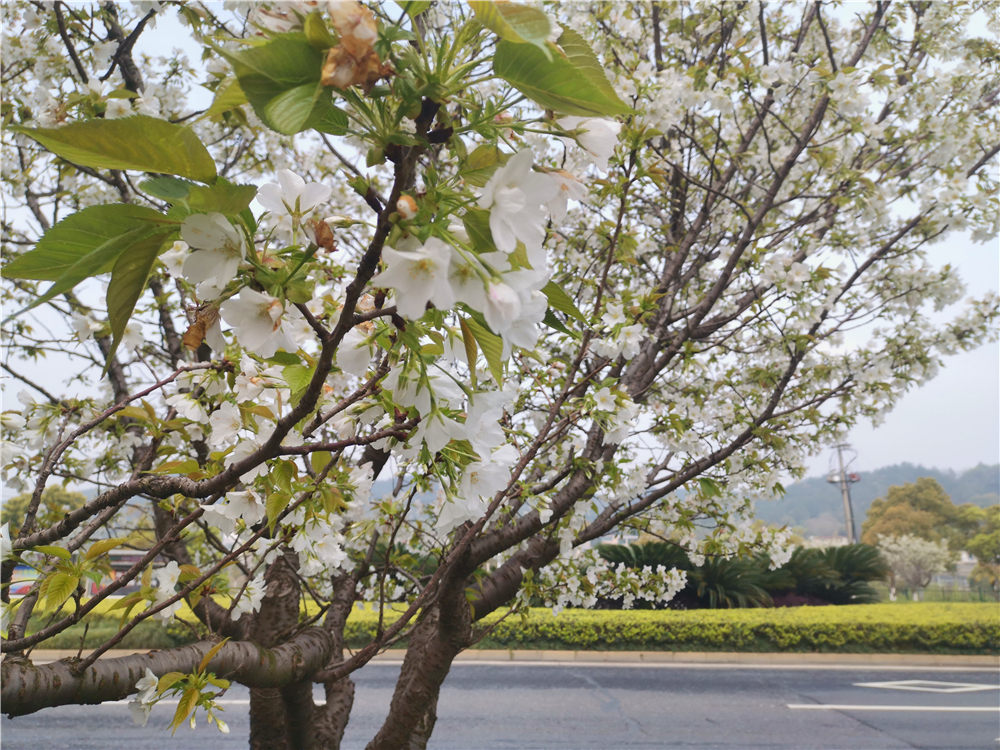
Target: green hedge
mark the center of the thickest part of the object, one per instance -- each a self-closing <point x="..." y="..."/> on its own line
<point x="960" y="628"/>
<point x="943" y="628"/>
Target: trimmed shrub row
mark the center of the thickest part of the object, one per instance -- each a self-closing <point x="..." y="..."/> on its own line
<point x="929" y="628"/>
<point x="942" y="628"/>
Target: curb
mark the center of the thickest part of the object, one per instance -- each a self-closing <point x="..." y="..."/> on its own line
<point x="659" y="658"/>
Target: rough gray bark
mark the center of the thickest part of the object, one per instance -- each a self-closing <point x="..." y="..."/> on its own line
<point x="279" y="717"/>
<point x="434" y="644"/>
<point x="31" y="687"/>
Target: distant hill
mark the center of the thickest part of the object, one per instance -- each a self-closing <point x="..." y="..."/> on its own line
<point x="816" y="507"/>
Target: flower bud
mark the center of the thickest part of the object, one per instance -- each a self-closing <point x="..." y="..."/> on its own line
<point x="407" y="207"/>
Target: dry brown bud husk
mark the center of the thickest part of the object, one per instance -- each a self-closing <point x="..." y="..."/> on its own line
<point x="203" y="320"/>
<point x="353" y="62"/>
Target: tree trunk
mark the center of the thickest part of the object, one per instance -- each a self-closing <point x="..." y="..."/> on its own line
<point x="434" y="644"/>
<point x="280" y="718"/>
<point x="330" y="720"/>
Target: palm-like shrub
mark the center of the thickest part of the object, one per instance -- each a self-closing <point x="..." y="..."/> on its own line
<point x="718" y="583"/>
<point x="837" y="575"/>
<point x="733" y="583"/>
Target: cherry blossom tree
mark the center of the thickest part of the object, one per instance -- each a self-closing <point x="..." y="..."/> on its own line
<point x="544" y="272"/>
<point x="914" y="561"/>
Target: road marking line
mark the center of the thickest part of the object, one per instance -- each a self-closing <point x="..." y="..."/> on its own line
<point x="828" y="707"/>
<point x="929" y="686"/>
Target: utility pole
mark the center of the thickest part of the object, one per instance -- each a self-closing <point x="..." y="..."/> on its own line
<point x="845" y="481"/>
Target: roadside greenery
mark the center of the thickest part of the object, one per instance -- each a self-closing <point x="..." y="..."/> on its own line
<point x="838" y="575"/>
<point x="940" y="628"/>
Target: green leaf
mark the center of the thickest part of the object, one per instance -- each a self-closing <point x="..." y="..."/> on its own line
<point x="284" y="358"/>
<point x="185" y="706"/>
<point x="141" y="143"/>
<point x="223" y="197"/>
<point x="327" y="118"/>
<point x="414" y="8"/>
<point x="274" y="69"/>
<point x="59" y="587"/>
<point x="102" y="546"/>
<point x="553" y="322"/>
<point x="319" y="460"/>
<point x="482" y="163"/>
<point x="572" y="83"/>
<point x="282" y="473"/>
<point x="562" y="301"/>
<point x="477" y="226"/>
<point x="492" y="348"/>
<point x="289" y="111"/>
<point x="76" y="236"/>
<point x="274" y="505"/>
<point x="298" y="378"/>
<point x="46" y="549"/>
<point x="228" y="96"/>
<point x="169" y="189"/>
<point x="515" y="23"/>
<point x="471" y="353"/>
<point x="211" y="652"/>
<point x="128" y="282"/>
<point x="94" y="263"/>
<point x="177" y="467"/>
<point x="709" y="487"/>
<point x="317" y="32"/>
<point x="168" y="681"/>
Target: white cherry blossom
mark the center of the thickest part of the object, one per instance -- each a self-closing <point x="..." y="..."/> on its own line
<point x="418" y="277"/>
<point x="597" y="136"/>
<point x="514" y="196"/>
<point x="257" y="321"/>
<point x="613" y="315"/>
<point x="84" y="325"/>
<point x="503" y="306"/>
<point x="291" y="195"/>
<point x="570" y="188"/>
<point x="354" y="354"/>
<point x="188" y="407"/>
<point x="250" y="599"/>
<point x="118" y="108"/>
<point x="225" y="422"/>
<point x="219" y="249"/>
<point x="604" y="399"/>
<point x="174" y="258"/>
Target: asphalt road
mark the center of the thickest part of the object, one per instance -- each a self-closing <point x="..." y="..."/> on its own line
<point x="574" y="707"/>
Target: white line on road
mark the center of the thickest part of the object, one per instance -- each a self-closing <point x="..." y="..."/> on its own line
<point x="828" y="707"/>
<point x="929" y="686"/>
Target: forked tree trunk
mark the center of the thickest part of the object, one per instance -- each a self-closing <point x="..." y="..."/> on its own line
<point x="280" y="718"/>
<point x="434" y="644"/>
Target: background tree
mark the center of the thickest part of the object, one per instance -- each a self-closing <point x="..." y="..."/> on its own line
<point x="55" y="503"/>
<point x="921" y="509"/>
<point x="565" y="275"/>
<point x="914" y="561"/>
<point x="985" y="546"/>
